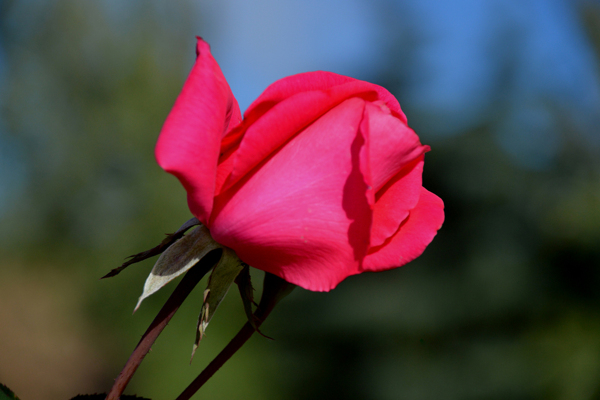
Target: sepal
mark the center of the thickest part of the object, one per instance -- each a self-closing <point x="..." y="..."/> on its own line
<point x="221" y="279"/>
<point x="168" y="241"/>
<point x="179" y="258"/>
<point x="247" y="293"/>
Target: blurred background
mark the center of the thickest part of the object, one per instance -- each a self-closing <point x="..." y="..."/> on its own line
<point x="504" y="304"/>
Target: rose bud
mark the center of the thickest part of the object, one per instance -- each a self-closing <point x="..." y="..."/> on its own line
<point x="320" y="180"/>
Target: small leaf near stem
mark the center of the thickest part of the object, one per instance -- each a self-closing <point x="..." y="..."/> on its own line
<point x="189" y="281"/>
<point x="274" y="289"/>
<point x="168" y="241"/>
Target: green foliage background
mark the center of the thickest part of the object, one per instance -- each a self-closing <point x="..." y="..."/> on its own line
<point x="503" y="305"/>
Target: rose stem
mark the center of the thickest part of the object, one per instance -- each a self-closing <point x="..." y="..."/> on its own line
<point x="274" y="289"/>
<point x="189" y="281"/>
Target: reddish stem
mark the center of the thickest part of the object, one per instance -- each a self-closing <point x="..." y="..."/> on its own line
<point x="187" y="284"/>
<point x="274" y="289"/>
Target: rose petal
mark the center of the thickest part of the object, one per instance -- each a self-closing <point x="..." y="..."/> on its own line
<point x="395" y="201"/>
<point x="190" y="140"/>
<point x="292" y="85"/>
<point x="412" y="238"/>
<point x="309" y="81"/>
<point x="276" y="118"/>
<point x="303" y="214"/>
<point x="392" y="144"/>
<point x="395" y="168"/>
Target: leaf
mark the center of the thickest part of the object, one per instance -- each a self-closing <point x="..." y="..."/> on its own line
<point x="168" y="241"/>
<point x="177" y="259"/>
<point x="6" y="393"/>
<point x="221" y="279"/>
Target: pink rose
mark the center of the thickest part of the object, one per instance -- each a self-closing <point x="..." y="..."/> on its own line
<point x="320" y="180"/>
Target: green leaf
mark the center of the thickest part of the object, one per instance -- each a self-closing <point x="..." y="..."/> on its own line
<point x="177" y="259"/>
<point x="221" y="279"/>
<point x="6" y="393"/>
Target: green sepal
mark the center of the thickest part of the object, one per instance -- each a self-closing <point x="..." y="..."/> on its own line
<point x="168" y="241"/>
<point x="221" y="278"/>
<point x="177" y="259"/>
<point x="247" y="293"/>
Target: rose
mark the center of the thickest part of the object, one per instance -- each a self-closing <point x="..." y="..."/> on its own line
<point x="320" y="180"/>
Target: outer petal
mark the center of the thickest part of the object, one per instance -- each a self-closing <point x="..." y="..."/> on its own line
<point x="412" y="238"/>
<point x="279" y="91"/>
<point x="395" y="201"/>
<point x="395" y="168"/>
<point x="189" y="143"/>
<point x="292" y="103"/>
<point x="294" y="84"/>
<point x="285" y="119"/>
<point x="309" y="81"/>
<point x="303" y="213"/>
<point x="392" y="144"/>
